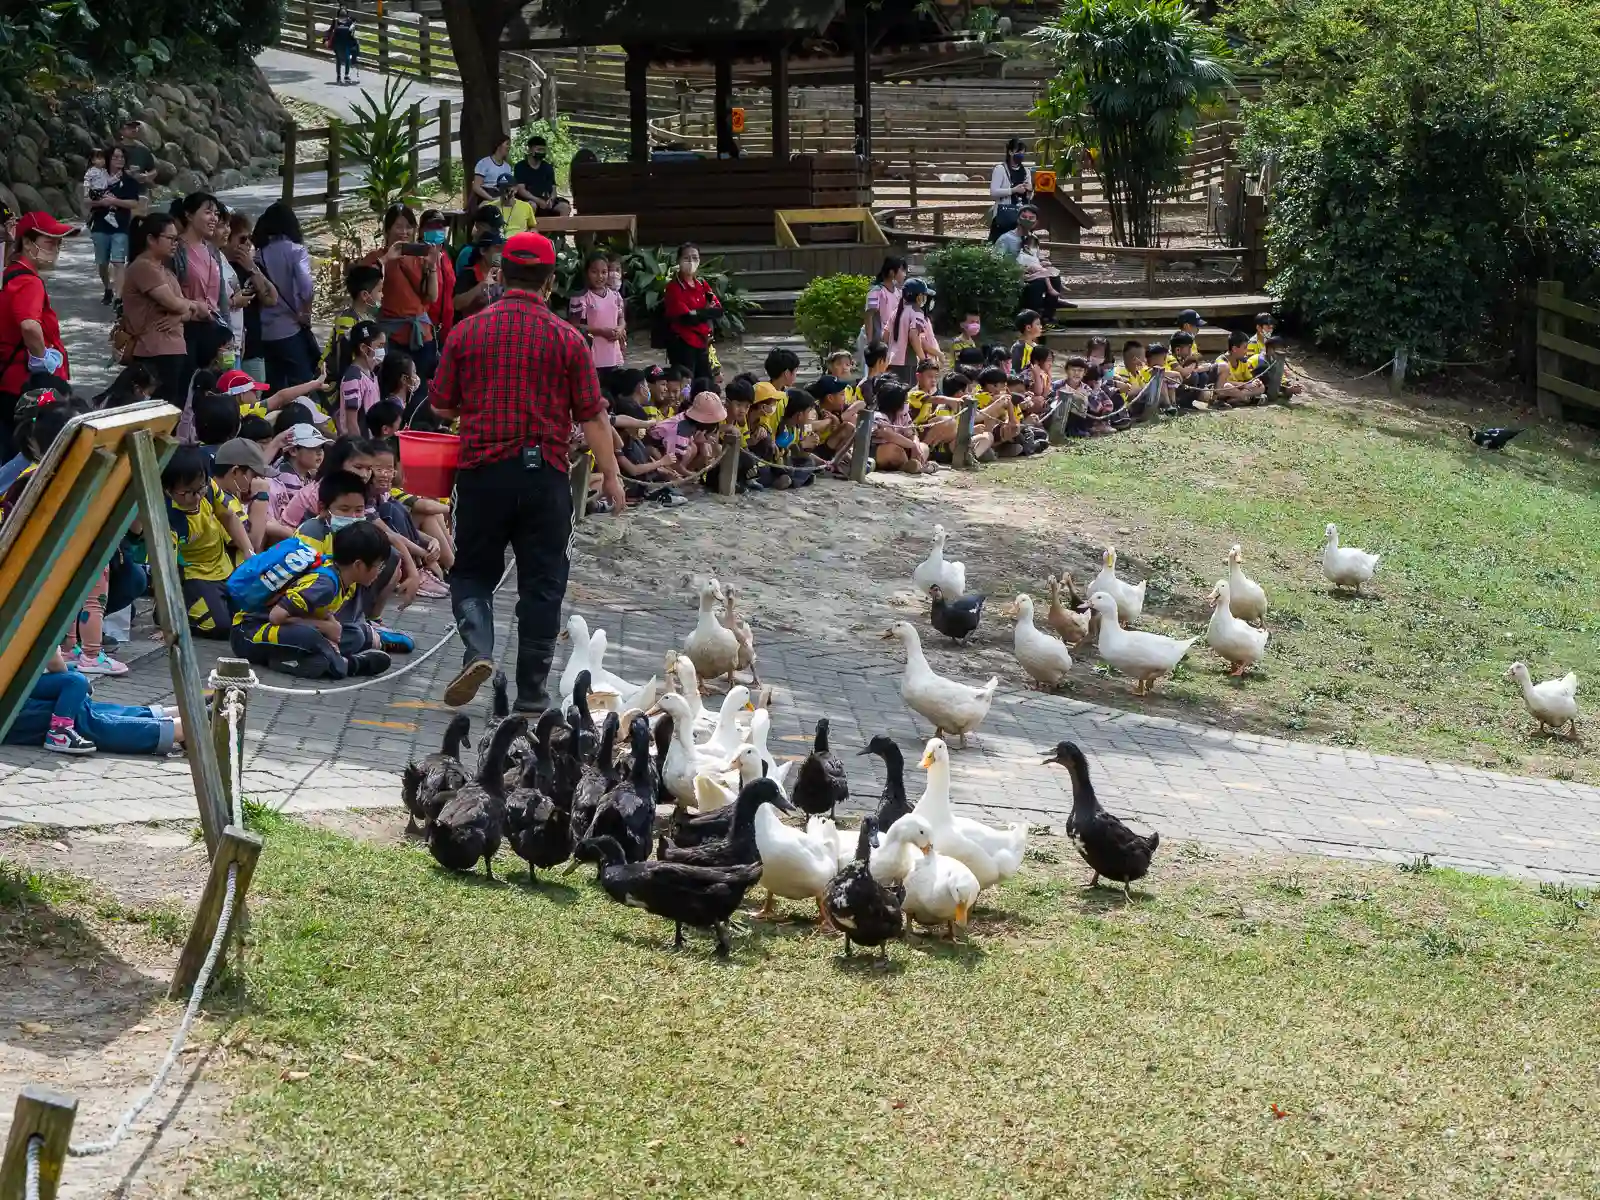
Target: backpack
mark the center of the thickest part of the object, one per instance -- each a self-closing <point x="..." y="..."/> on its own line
<point x="262" y="577"/>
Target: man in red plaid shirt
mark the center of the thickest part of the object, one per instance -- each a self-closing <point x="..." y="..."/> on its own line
<point x="519" y="378"/>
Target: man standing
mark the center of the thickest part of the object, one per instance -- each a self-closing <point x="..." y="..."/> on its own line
<point x="519" y="378"/>
<point x="138" y="162"/>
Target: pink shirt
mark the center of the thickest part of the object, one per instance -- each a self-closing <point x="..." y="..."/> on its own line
<point x="302" y="506"/>
<point x="201" y="278"/>
<point x="915" y="338"/>
<point x="281" y="489"/>
<point x="601" y="310"/>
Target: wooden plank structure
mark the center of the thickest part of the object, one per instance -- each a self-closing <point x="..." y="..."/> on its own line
<point x="859" y="219"/>
<point x="1557" y="382"/>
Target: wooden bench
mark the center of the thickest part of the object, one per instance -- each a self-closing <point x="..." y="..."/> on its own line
<point x="588" y="230"/>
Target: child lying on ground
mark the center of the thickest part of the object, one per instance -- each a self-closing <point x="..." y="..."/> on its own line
<point x="294" y="628"/>
<point x="59" y="715"/>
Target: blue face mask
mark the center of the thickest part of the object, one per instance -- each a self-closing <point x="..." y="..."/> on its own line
<point x="337" y="523"/>
<point x="433" y="237"/>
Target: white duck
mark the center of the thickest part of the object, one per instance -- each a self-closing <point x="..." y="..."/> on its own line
<point x="680" y="668"/>
<point x="939" y="890"/>
<point x="1046" y="660"/>
<point x="1144" y="657"/>
<point x="934" y="571"/>
<point x="715" y="788"/>
<point x="1129" y="596"/>
<point x="1345" y="566"/>
<point x="726" y="734"/>
<point x="1240" y="643"/>
<point x="989" y="853"/>
<point x="952" y="707"/>
<point x="684" y="759"/>
<point x="760" y="730"/>
<point x="1247" y="599"/>
<point x="794" y="863"/>
<point x="711" y="647"/>
<point x="577" y="636"/>
<point x="825" y="829"/>
<point x="1553" y="703"/>
<point x="628" y="695"/>
<point x="747" y="638"/>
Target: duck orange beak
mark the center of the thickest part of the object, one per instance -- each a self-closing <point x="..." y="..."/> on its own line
<point x="927" y="760"/>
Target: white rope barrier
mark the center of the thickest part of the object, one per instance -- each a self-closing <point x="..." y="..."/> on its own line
<point x="30" y="1185"/>
<point x="89" y="1149"/>
<point x="235" y="713"/>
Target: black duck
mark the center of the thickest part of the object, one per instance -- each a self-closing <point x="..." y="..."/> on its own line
<point x="820" y="786"/>
<point x="892" y="805"/>
<point x="427" y="786"/>
<point x="1105" y="843"/>
<point x="956" y="618"/>
<point x="598" y="774"/>
<point x="1493" y="438"/>
<point x="865" y="910"/>
<point x="581" y="721"/>
<point x="628" y="811"/>
<point x="739" y="846"/>
<point x="471" y="825"/>
<point x="538" y="828"/>
<point x="700" y="897"/>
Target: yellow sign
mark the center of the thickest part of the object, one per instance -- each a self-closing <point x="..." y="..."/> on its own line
<point x="737" y="117"/>
<point x="1044" y="182"/>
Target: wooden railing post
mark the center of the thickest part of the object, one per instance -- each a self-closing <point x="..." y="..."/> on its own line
<point x="1397" y="374"/>
<point x="961" y="455"/>
<point x="425" y="47"/>
<point x="310" y="20"/>
<point x="46" y="1114"/>
<point x="526" y="101"/>
<point x="446" y="150"/>
<point x="239" y="848"/>
<point x="1149" y="276"/>
<point x="728" y="467"/>
<point x="1548" y="361"/>
<point x="222" y="743"/>
<point x="414" y="131"/>
<point x="383" y="45"/>
<point x="291" y="156"/>
<point x="578" y="480"/>
<point x="911" y="156"/>
<point x="547" y="96"/>
<point x="331" y="208"/>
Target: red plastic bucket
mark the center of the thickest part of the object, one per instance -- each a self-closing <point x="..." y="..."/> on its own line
<point x="429" y="461"/>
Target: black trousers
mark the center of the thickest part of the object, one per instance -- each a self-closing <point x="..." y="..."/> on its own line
<point x="1036" y="295"/>
<point x="506" y="504"/>
<point x="695" y="359"/>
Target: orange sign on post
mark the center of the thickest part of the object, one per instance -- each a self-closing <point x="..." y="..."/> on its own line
<point x="1044" y="182"/>
<point x="737" y="117"/>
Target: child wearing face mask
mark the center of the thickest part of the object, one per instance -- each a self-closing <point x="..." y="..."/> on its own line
<point x="358" y="386"/>
<point x="971" y="326"/>
<point x="343" y="502"/>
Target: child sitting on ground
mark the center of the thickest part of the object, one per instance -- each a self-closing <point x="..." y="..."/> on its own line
<point x="419" y="523"/>
<point x="644" y="462"/>
<point x="302" y="459"/>
<point x="954" y="392"/>
<point x="1261" y="362"/>
<point x="241" y="472"/>
<point x="894" y="439"/>
<point x="205" y="528"/>
<point x="295" y="629"/>
<point x="877" y="355"/>
<point x="382" y="422"/>
<point x="399" y="383"/>
<point x="997" y="415"/>
<point x="342" y="454"/>
<point x="833" y="429"/>
<point x="971" y="327"/>
<point x="1237" y="381"/>
<point x="933" y="418"/>
<point x="60" y="716"/>
<point x="1030" y="328"/>
<point x="343" y="502"/>
<point x="794" y="424"/>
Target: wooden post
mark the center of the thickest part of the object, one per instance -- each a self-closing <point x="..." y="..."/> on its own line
<point x="780" y="102"/>
<point x="46" y="1114"/>
<point x="424" y="47"/>
<point x="1274" y="377"/>
<point x="331" y="208"/>
<point x="636" y="76"/>
<point x="938" y="222"/>
<point x="239" y="848"/>
<point x="1397" y="373"/>
<point x="724" y="106"/>
<point x="1056" y="428"/>
<point x="862" y="80"/>
<point x="683" y="109"/>
<point x="1548" y="362"/>
<point x="173" y="618"/>
<point x="312" y="41"/>
<point x="728" y="467"/>
<point x="226" y="750"/>
<point x="383" y="45"/>
<point x="291" y="155"/>
<point x="961" y="456"/>
<point x="911" y="159"/>
<point x="1150" y="275"/>
<point x="578" y="480"/>
<point x="861" y="446"/>
<point x="414" y="131"/>
<point x="446" y="151"/>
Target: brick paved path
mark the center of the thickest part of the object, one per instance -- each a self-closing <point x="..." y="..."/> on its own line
<point x="1231" y="789"/>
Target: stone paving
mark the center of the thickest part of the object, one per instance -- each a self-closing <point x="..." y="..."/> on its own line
<point x="1236" y="790"/>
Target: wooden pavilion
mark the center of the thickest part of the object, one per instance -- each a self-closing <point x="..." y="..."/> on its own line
<point x="733" y="197"/>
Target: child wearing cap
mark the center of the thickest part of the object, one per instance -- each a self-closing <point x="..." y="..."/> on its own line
<point x="302" y="459"/>
<point x="833" y="428"/>
<point x="241" y="472"/>
<point x="358" y="386"/>
<point x="204" y="528"/>
<point x="478" y="284"/>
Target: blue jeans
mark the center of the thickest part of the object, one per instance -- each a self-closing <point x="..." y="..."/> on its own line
<point x="114" y="728"/>
<point x="126" y="581"/>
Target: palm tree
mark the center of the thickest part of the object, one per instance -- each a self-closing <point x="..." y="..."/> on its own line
<point x="1134" y="75"/>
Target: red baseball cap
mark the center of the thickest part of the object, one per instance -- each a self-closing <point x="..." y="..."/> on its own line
<point x="237" y="383"/>
<point x="43" y="222"/>
<point x="529" y="250"/>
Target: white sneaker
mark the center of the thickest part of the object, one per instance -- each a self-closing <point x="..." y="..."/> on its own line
<point x="101" y="664"/>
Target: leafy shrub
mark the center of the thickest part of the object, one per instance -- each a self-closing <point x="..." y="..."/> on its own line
<point x="559" y="138"/>
<point x="828" y="313"/>
<point x="381" y="140"/>
<point x="975" y="279"/>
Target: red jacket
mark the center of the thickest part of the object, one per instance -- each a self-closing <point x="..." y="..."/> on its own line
<point x="681" y="300"/>
<point x="24" y="298"/>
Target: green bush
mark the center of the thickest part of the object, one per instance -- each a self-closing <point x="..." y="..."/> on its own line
<point x="975" y="279"/>
<point x="829" y="312"/>
<point x="1431" y="164"/>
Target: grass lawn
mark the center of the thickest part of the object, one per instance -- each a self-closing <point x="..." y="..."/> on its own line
<point x="1487" y="558"/>
<point x="1244" y="1029"/>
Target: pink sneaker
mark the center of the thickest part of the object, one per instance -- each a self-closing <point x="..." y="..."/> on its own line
<point x="433" y="588"/>
<point x="101" y="664"/>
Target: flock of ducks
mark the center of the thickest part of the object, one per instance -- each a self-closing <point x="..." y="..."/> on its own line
<point x="684" y="813"/>
<point x="1236" y="632"/>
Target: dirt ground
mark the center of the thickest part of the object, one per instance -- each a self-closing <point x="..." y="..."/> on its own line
<point x="85" y="1008"/>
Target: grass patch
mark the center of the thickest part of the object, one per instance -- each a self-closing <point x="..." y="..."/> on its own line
<point x="1486" y="559"/>
<point x="1245" y="1029"/>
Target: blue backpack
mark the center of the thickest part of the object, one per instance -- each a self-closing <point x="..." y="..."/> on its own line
<point x="260" y="578"/>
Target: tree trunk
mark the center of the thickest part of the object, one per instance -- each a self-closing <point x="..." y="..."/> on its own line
<point x="475" y="29"/>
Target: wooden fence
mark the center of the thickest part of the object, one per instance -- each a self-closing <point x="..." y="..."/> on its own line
<point x="1555" y="380"/>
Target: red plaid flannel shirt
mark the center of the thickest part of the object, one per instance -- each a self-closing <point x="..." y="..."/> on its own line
<point x="518" y="375"/>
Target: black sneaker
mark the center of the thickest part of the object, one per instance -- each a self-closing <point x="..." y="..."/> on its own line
<point x="107" y="298"/>
<point x="368" y="662"/>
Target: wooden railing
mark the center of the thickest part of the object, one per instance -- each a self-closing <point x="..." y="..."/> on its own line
<point x="1554" y="380"/>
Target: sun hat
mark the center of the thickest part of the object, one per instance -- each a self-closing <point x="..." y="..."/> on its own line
<point x="707" y="408"/>
<point x="237" y="383"/>
<point x="307" y="437"/>
<point x="530" y="250"/>
<point x="241" y="452"/>
<point x="43" y="222"/>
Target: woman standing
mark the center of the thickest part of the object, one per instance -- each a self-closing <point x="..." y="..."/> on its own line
<point x="248" y="288"/>
<point x="154" y="307"/>
<point x="287" y="343"/>
<point x="110" y="218"/>
<point x="690" y="305"/>
<point x="883" y="300"/>
<point x="30" y="333"/>
<point x="1010" y="187"/>
<point x="410" y="288"/>
<point x="198" y="266"/>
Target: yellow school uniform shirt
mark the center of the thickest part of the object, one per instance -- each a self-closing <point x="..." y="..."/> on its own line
<point x="767" y="393"/>
<point x="1231" y="372"/>
<point x="957" y="346"/>
<point x="1254" y="345"/>
<point x="519" y="217"/>
<point x="924" y="406"/>
<point x="203" y="544"/>
<point x="1138" y="378"/>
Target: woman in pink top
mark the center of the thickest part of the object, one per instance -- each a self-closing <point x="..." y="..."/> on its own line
<point x="910" y="331"/>
<point x="598" y="312"/>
